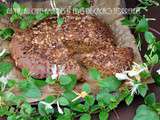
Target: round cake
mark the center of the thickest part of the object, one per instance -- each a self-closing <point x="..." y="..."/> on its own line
<point x="82" y="42"/>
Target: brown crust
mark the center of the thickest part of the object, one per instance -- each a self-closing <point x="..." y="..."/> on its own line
<point x="84" y="36"/>
<point x="108" y="61"/>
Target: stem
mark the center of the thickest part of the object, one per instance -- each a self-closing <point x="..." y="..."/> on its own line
<point x="75" y="4"/>
<point x="53" y="5"/>
<point x="154" y="30"/>
<point x="117" y="116"/>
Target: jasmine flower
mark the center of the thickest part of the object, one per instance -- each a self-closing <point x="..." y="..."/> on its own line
<point x="59" y="109"/>
<point x="158" y="71"/>
<point x="83" y="94"/>
<point x="57" y="70"/>
<point x="4" y="81"/>
<point x="54" y="72"/>
<point x="3" y="52"/>
<point x="49" y="105"/>
<point x="131" y="75"/>
<point x="136" y="70"/>
<point x="134" y="89"/>
<point x="122" y="76"/>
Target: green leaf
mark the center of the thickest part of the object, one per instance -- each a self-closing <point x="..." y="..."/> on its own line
<point x="157" y="79"/>
<point x="157" y="45"/>
<point x="63" y="101"/>
<point x="41" y="15"/>
<point x="10" y="97"/>
<point x="49" y="111"/>
<point x="15" y="17"/>
<point x="25" y="73"/>
<point x="11" y="83"/>
<point x="50" y="81"/>
<point x="3" y="10"/>
<point x="154" y="59"/>
<point x="5" y="68"/>
<point x="71" y="85"/>
<point x="50" y="99"/>
<point x="4" y="111"/>
<point x="23" y="85"/>
<point x="26" y="109"/>
<point x="103" y="115"/>
<point x="66" y="116"/>
<point x="95" y="108"/>
<point x="19" y="99"/>
<point x="12" y="117"/>
<point x="142" y="26"/>
<point x="39" y="83"/>
<point x="69" y="95"/>
<point x="129" y="99"/>
<point x="113" y="105"/>
<point x="89" y="100"/>
<point x="86" y="88"/>
<point x="6" y="33"/>
<point x="65" y="79"/>
<point x="145" y="74"/>
<point x="150" y="99"/>
<point x="157" y="107"/>
<point x="84" y="4"/>
<point x="18" y="9"/>
<point x="33" y="92"/>
<point x="145" y="113"/>
<point x="23" y="24"/>
<point x="142" y="90"/>
<point x="104" y="97"/>
<point x="123" y="94"/>
<point x="30" y="17"/>
<point x="85" y="117"/>
<point x="110" y="83"/>
<point x="126" y="21"/>
<point x="94" y="74"/>
<point x="29" y="89"/>
<point x="43" y="111"/>
<point x="149" y="37"/>
<point x="60" y="21"/>
<point x="79" y="107"/>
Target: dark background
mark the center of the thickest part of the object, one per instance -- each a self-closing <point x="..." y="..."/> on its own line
<point x="124" y="112"/>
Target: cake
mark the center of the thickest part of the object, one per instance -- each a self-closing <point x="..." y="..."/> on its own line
<point x="82" y="42"/>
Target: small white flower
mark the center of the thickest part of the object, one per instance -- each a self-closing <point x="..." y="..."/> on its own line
<point x="61" y="70"/>
<point x="136" y="70"/>
<point x="47" y="105"/>
<point x="134" y="89"/>
<point x="54" y="71"/>
<point x="3" y="52"/>
<point x="4" y="81"/>
<point x="57" y="70"/>
<point x="83" y="94"/>
<point x="59" y="109"/>
<point x="131" y="75"/>
<point x="158" y="71"/>
<point x="122" y="76"/>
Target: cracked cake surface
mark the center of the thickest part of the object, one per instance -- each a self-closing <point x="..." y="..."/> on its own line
<point x="82" y="42"/>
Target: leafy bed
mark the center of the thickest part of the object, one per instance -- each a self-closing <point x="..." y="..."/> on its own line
<point x="70" y="104"/>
